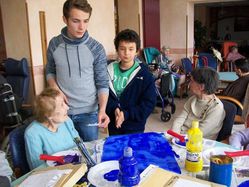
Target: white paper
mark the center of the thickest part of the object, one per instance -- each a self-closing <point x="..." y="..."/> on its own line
<point x="44" y="179"/>
<point x="188" y="183"/>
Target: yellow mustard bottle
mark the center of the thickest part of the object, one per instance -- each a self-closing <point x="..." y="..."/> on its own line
<point x="194" y="162"/>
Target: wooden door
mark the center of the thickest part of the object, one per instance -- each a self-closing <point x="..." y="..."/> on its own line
<point x="151" y="23"/>
<point x="2" y="41"/>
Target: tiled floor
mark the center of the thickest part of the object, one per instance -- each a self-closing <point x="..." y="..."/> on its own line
<point x="154" y="122"/>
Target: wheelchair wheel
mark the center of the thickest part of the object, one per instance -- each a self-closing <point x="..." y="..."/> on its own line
<point x="165" y="116"/>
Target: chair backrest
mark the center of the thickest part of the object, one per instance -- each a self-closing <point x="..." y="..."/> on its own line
<point x="207" y="59"/>
<point x="187" y="65"/>
<point x="245" y="112"/>
<point x="17" y="148"/>
<point x="150" y="54"/>
<point x="230" y="109"/>
<point x="17" y="75"/>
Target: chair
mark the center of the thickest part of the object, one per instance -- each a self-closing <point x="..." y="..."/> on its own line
<point x="238" y="118"/>
<point x="187" y="67"/>
<point x="17" y="149"/>
<point x="202" y="60"/>
<point x="246" y="107"/>
<point x="9" y="107"/>
<point x="207" y="59"/>
<point x="17" y="75"/>
<point x="230" y="109"/>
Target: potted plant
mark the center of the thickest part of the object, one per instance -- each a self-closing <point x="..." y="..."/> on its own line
<point x="200" y="36"/>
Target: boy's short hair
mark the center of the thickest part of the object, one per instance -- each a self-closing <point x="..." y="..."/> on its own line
<point x="45" y="104"/>
<point x="207" y="76"/>
<point x="127" y="35"/>
<point x="242" y="64"/>
<point x="78" y="4"/>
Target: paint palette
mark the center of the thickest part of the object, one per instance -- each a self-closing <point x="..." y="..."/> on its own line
<point x="96" y="174"/>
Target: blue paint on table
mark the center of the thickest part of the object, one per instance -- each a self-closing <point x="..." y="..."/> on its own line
<point x="149" y="148"/>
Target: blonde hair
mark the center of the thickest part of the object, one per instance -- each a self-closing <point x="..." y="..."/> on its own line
<point x="45" y="104"/>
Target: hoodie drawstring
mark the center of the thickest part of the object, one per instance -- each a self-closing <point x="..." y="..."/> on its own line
<point x="79" y="59"/>
<point x="69" y="69"/>
<point x="78" y="55"/>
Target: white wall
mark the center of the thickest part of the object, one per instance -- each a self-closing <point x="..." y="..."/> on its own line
<point x="176" y="18"/>
<point x="130" y="16"/>
<point x="128" y="12"/>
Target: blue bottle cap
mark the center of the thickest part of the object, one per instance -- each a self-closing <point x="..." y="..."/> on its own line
<point x="128" y="152"/>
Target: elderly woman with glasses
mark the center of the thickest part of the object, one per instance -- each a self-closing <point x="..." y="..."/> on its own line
<point x="203" y="105"/>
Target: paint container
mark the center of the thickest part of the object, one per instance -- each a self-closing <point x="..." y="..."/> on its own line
<point x="220" y="171"/>
<point x="128" y="172"/>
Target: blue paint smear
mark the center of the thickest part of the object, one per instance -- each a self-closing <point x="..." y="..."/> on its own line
<point x="112" y="175"/>
<point x="181" y="143"/>
<point x="149" y="148"/>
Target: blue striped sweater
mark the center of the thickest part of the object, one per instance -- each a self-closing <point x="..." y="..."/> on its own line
<point x="79" y="67"/>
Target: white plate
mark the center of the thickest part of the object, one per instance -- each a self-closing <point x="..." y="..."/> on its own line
<point x="63" y="153"/>
<point x="217" y="151"/>
<point x="96" y="174"/>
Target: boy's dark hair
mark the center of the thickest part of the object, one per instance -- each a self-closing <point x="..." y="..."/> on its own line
<point x="127" y="35"/>
<point x="242" y="64"/>
<point x="78" y="4"/>
<point x="207" y="76"/>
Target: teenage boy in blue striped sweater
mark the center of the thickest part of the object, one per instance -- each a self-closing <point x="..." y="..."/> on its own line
<point x="77" y="67"/>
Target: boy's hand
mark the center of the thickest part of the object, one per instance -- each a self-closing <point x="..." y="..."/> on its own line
<point x="119" y="118"/>
<point x="103" y="119"/>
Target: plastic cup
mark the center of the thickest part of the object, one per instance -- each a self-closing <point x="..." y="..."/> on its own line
<point x="220" y="171"/>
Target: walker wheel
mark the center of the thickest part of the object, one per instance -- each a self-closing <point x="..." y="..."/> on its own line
<point x="165" y="116"/>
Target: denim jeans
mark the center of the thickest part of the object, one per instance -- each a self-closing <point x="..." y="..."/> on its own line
<point x="86" y="125"/>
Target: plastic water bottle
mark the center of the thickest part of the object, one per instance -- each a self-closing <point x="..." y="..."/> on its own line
<point x="128" y="172"/>
<point x="194" y="162"/>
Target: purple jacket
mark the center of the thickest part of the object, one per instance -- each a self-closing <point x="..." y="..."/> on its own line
<point x="240" y="138"/>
